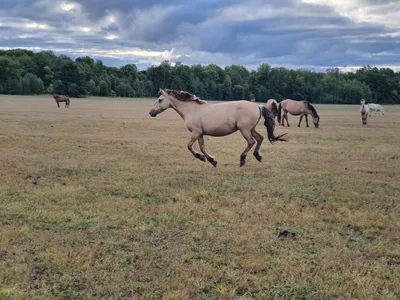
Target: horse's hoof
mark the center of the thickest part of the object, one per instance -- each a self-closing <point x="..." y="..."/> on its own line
<point x="212" y="161"/>
<point x="242" y="163"/>
<point x="258" y="156"/>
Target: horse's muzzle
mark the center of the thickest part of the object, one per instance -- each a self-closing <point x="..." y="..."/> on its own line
<point x="152" y="113"/>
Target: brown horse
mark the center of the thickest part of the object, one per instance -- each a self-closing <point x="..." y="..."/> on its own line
<point x="61" y="98"/>
<point x="272" y="105"/>
<point x="297" y="108"/>
<point x="218" y="119"/>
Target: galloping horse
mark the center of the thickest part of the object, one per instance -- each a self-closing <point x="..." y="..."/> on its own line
<point x="61" y="98"/>
<point x="364" y="109"/>
<point x="297" y="108"/>
<point x="218" y="119"/>
<point x="272" y="105"/>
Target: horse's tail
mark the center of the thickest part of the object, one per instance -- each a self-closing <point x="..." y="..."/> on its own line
<point x="279" y="112"/>
<point x="310" y="107"/>
<point x="270" y="125"/>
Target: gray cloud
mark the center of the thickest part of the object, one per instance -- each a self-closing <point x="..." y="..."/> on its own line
<point x="248" y="32"/>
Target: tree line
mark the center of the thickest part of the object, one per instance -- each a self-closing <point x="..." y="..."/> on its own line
<point x="24" y="72"/>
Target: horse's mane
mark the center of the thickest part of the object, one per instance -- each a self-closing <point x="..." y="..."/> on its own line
<point x="314" y="112"/>
<point x="184" y="96"/>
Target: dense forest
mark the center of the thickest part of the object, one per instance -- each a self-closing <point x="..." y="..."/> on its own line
<point x="24" y="72"/>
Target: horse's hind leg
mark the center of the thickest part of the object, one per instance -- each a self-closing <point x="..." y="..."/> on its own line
<point x="301" y="118"/>
<point x="193" y="139"/>
<point x="259" y="138"/>
<point x="287" y="121"/>
<point x="203" y="149"/>
<point x="250" y="143"/>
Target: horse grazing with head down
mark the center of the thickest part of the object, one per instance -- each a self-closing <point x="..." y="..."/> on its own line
<point x="218" y="119"/>
<point x="61" y="98"/>
<point x="297" y="108"/>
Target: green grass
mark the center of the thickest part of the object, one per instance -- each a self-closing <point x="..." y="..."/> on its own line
<point x="102" y="201"/>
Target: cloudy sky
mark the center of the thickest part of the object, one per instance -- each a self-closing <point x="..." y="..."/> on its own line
<point x="313" y="34"/>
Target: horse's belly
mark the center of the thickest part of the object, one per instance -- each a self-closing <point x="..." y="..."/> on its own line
<point x="219" y="129"/>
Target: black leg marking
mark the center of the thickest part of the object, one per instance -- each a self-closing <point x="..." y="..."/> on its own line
<point x="242" y="160"/>
<point x="257" y="156"/>
<point x="200" y="156"/>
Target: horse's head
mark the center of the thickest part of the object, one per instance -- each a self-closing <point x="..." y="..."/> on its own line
<point x="162" y="103"/>
<point x="316" y="121"/>
<point x="362" y="101"/>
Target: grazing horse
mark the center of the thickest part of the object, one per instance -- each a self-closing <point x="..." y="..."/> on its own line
<point x="61" y="98"/>
<point x="297" y="108"/>
<point x="218" y="119"/>
<point x="374" y="108"/>
<point x="364" y="109"/>
<point x="272" y="105"/>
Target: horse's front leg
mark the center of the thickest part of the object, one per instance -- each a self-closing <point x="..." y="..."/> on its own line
<point x="307" y="120"/>
<point x="259" y="138"/>
<point x="301" y="118"/>
<point x="58" y="104"/>
<point x="203" y="149"/>
<point x="193" y="139"/>
<point x="250" y="143"/>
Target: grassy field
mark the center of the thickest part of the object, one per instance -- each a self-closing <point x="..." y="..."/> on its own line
<point x="100" y="201"/>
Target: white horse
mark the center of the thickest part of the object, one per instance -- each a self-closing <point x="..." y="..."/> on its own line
<point x="364" y="109"/>
<point x="374" y="108"/>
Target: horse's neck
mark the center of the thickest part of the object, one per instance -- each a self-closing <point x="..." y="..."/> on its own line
<point x="185" y="109"/>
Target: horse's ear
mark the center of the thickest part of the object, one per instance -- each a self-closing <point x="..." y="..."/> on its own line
<point x="161" y="92"/>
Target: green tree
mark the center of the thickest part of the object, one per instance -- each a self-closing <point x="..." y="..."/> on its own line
<point x="103" y="88"/>
<point x="238" y="92"/>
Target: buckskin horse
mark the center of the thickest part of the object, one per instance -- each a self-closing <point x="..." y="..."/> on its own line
<point x="364" y="110"/>
<point x="297" y="108"/>
<point x="219" y="119"/>
<point x="272" y="105"/>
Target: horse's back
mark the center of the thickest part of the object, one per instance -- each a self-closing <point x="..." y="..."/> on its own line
<point x="293" y="106"/>
<point x="232" y="108"/>
<point x="222" y="118"/>
<point x="270" y="102"/>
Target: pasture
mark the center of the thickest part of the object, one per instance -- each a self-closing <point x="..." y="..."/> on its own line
<point x="101" y="201"/>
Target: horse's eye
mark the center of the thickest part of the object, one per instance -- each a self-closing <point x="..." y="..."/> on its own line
<point x="160" y="100"/>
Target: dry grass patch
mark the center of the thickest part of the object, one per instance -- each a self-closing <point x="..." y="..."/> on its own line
<point x="102" y="201"/>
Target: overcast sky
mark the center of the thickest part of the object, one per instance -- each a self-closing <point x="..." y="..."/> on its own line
<point x="312" y="34"/>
